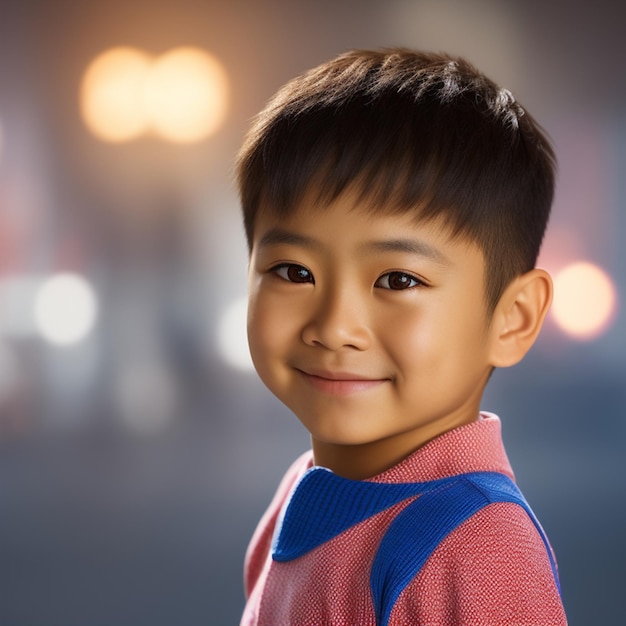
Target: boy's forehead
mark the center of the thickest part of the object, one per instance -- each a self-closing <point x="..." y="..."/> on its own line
<point x="319" y="206"/>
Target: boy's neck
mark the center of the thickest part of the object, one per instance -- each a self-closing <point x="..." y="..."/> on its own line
<point x="363" y="461"/>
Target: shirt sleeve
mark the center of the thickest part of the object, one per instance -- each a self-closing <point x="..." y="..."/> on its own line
<point x="492" y="570"/>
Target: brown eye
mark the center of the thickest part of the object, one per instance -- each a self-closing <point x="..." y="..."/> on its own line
<point x="294" y="273"/>
<point x="397" y="281"/>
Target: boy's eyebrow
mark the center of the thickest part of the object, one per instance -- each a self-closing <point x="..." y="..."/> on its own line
<point x="418" y="247"/>
<point x="410" y="246"/>
<point x="276" y="236"/>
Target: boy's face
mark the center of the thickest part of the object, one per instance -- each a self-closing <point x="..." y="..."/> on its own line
<point x="370" y="328"/>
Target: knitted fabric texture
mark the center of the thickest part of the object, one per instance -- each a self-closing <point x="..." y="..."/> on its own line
<point x="495" y="568"/>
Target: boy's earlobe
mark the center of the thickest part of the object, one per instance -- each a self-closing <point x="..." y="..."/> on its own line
<point x="519" y="316"/>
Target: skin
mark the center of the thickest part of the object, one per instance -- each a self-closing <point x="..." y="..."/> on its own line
<point x="374" y="330"/>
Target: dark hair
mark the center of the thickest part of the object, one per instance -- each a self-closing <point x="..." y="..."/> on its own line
<point x="411" y="131"/>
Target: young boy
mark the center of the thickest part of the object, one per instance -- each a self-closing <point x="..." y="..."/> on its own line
<point x="394" y="204"/>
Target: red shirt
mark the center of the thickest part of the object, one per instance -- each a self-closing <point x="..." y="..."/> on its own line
<point x="492" y="570"/>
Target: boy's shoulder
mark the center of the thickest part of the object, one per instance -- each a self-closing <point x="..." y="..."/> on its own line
<point x="481" y="529"/>
<point x="260" y="544"/>
<point x="494" y="568"/>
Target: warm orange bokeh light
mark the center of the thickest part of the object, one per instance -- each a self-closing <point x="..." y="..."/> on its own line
<point x="182" y="95"/>
<point x="584" y="300"/>
<point x="186" y="95"/>
<point x="111" y="95"/>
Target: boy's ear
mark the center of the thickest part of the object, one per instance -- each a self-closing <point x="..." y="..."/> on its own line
<point x="518" y="317"/>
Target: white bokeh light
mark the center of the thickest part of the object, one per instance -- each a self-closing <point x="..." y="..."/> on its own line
<point x="232" y="337"/>
<point x="65" y="309"/>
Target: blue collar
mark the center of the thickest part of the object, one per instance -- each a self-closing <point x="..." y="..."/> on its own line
<point x="324" y="504"/>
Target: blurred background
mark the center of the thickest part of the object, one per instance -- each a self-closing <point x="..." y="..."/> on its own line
<point x="137" y="448"/>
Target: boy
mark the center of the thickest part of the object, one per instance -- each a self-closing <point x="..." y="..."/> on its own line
<point x="394" y="204"/>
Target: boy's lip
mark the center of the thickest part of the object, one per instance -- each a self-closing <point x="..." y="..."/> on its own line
<point x="339" y="382"/>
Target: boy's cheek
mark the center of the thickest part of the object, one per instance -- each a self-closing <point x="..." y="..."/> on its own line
<point x="261" y="358"/>
<point x="265" y="329"/>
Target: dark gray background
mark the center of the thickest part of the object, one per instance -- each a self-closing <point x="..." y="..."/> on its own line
<point x="139" y="514"/>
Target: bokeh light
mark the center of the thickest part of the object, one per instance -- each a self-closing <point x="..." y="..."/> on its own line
<point x="185" y="95"/>
<point x="112" y="92"/>
<point x="182" y="95"/>
<point x="232" y="337"/>
<point x="65" y="309"/>
<point x="585" y="300"/>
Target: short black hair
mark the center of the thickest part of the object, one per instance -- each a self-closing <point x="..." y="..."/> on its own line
<point x="412" y="131"/>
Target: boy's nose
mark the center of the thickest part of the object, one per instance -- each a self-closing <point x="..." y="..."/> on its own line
<point x="339" y="321"/>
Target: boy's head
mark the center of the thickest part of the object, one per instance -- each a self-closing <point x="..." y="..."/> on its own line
<point x="424" y="134"/>
<point x="394" y="204"/>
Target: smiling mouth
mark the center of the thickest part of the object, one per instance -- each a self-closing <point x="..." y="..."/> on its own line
<point x="340" y="384"/>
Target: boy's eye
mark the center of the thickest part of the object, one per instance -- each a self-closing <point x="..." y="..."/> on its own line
<point x="293" y="273"/>
<point x="397" y="281"/>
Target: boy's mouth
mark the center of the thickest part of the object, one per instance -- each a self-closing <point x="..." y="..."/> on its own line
<point x="339" y="383"/>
